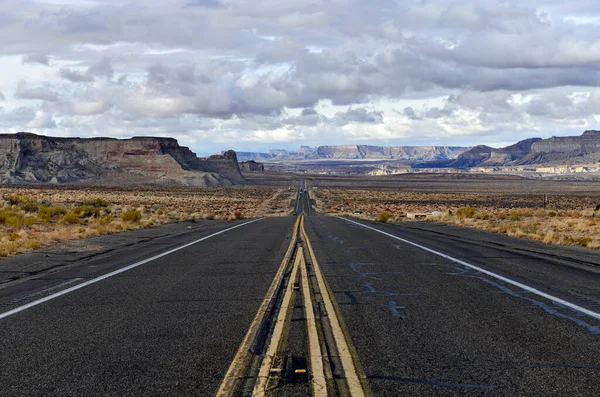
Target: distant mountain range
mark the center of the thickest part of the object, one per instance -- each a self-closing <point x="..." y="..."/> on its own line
<point x="569" y="150"/>
<point x="358" y="152"/>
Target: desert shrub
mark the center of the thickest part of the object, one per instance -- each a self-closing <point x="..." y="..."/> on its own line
<point x="11" y="199"/>
<point x="594" y="244"/>
<point x="131" y="216"/>
<point x="13" y="236"/>
<point x="583" y="241"/>
<point x="34" y="244"/>
<point x="597" y="208"/>
<point x="465" y="212"/>
<point x="9" y="248"/>
<point x="71" y="218"/>
<point x="238" y="215"/>
<point x="11" y="219"/>
<point x="4" y="214"/>
<point x="97" y="202"/>
<point x="46" y="213"/>
<point x="515" y="215"/>
<point x="106" y="219"/>
<point x="483" y="216"/>
<point x="14" y="221"/>
<point x="29" y="221"/>
<point x="383" y="216"/>
<point x="160" y="212"/>
<point x="209" y="216"/>
<point x="87" y="211"/>
<point x="530" y="227"/>
<point x="518" y="213"/>
<point x="26" y="203"/>
<point x="59" y="210"/>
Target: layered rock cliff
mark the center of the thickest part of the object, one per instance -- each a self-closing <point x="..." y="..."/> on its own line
<point x="569" y="150"/>
<point x="26" y="157"/>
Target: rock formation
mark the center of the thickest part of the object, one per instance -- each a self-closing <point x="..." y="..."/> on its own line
<point x="359" y="152"/>
<point x="252" y="166"/>
<point x="569" y="150"/>
<point x="26" y="157"/>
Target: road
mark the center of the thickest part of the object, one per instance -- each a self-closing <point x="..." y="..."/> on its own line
<point x="303" y="204"/>
<point x="228" y="308"/>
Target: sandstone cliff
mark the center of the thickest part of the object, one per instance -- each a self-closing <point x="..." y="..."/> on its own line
<point x="251" y="166"/>
<point x="26" y="157"/>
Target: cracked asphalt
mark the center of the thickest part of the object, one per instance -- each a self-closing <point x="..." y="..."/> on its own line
<point x="421" y="324"/>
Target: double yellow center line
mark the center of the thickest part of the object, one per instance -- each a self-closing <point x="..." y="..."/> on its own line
<point x="322" y="384"/>
<point x="342" y="340"/>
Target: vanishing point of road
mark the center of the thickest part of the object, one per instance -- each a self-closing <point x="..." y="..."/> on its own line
<point x="307" y="305"/>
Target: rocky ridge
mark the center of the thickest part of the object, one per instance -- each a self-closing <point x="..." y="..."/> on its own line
<point x="569" y="150"/>
<point x="31" y="158"/>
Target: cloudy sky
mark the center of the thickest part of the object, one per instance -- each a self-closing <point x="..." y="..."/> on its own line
<point x="252" y="75"/>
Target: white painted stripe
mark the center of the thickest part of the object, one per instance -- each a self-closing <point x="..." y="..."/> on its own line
<point x="573" y="306"/>
<point x="114" y="273"/>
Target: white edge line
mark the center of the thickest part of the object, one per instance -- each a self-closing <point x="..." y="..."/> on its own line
<point x="499" y="277"/>
<point x="113" y="273"/>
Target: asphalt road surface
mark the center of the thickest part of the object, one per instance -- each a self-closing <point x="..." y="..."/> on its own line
<point x="426" y="310"/>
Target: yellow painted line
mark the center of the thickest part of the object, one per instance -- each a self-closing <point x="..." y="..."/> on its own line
<point x="241" y="359"/>
<point x="346" y="357"/>
<point x="282" y="316"/>
<point x="319" y="384"/>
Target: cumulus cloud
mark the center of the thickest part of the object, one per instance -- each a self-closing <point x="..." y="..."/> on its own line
<point x="75" y="76"/>
<point x="102" y="68"/>
<point x="245" y="71"/>
<point x="307" y="117"/>
<point x="359" y="115"/>
<point x="43" y="92"/>
<point x="41" y="119"/>
<point x="15" y="119"/>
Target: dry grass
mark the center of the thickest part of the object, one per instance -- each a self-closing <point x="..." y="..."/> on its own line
<point x="36" y="217"/>
<point x="567" y="219"/>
